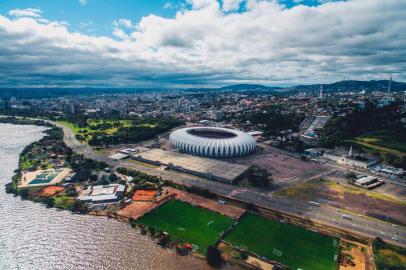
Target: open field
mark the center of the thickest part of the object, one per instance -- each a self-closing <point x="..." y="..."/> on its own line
<point x="291" y="245"/>
<point x="91" y="128"/>
<point x="389" y="256"/>
<point x="124" y="123"/>
<point x="356" y="256"/>
<point x="285" y="169"/>
<point x="381" y="141"/>
<point x="351" y="198"/>
<point x="118" y="131"/>
<point x="189" y="223"/>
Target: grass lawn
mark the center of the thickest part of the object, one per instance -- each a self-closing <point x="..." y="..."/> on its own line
<point x="75" y="128"/>
<point x="26" y="163"/>
<point x="388" y="256"/>
<point x="291" y="245"/>
<point x="317" y="188"/>
<point x="94" y="122"/>
<point x="189" y="223"/>
<point x="89" y="129"/>
<point x="381" y="141"/>
<point x="63" y="201"/>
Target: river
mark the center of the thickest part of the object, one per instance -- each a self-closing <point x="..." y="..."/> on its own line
<point x="34" y="237"/>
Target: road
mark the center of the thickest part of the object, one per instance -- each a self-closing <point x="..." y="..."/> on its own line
<point x="324" y="213"/>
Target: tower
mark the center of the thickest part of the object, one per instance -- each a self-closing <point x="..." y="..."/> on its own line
<point x="321" y="92"/>
<point x="389" y="84"/>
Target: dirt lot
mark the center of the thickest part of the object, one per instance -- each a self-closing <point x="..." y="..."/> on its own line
<point x="137" y="209"/>
<point x="225" y="209"/>
<point x="361" y="256"/>
<point x="350" y="198"/>
<point x="285" y="169"/>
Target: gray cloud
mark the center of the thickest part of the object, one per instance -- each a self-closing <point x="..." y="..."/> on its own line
<point x="206" y="44"/>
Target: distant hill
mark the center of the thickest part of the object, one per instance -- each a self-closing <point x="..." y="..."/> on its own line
<point x="250" y="87"/>
<point x="347" y="85"/>
<point x="381" y="85"/>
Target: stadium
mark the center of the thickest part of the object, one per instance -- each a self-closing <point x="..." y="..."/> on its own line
<point x="213" y="142"/>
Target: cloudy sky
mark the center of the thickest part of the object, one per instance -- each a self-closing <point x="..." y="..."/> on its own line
<point x="202" y="43"/>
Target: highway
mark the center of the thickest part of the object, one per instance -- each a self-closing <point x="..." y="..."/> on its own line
<point x="324" y="214"/>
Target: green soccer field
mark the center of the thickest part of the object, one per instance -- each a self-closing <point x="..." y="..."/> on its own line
<point x="291" y="245"/>
<point x="189" y="223"/>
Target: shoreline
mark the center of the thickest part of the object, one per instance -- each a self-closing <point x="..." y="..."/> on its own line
<point x="12" y="187"/>
<point x="144" y="230"/>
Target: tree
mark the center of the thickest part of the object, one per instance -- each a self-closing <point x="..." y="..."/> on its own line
<point x="78" y="206"/>
<point x="113" y="178"/>
<point x="24" y="193"/>
<point x="164" y="240"/>
<point x="49" y="202"/>
<point x="72" y="192"/>
<point x="213" y="256"/>
<point x="93" y="177"/>
<point x="151" y="231"/>
<point x="259" y="177"/>
<point x="351" y="176"/>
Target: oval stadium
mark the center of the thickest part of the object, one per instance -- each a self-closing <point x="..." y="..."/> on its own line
<point x="213" y="142"/>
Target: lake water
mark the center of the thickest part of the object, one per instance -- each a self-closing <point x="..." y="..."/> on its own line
<point x="35" y="237"/>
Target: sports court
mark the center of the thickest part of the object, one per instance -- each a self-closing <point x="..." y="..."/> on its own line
<point x="50" y="191"/>
<point x="143" y="195"/>
<point x="288" y="244"/>
<point x="192" y="224"/>
<point x="43" y="177"/>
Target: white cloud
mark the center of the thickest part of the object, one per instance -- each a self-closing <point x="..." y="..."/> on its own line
<point x="124" y="22"/>
<point x="120" y="34"/>
<point x="168" y="5"/>
<point x="28" y="12"/>
<point x="121" y="27"/>
<point x="231" y="5"/>
<point x="83" y="2"/>
<point x="267" y="43"/>
<point x="199" y="4"/>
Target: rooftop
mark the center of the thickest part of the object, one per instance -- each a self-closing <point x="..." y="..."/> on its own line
<point x="202" y="165"/>
<point x="102" y="193"/>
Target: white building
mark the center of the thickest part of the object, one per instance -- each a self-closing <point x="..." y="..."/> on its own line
<point x="213" y="142"/>
<point x="350" y="160"/>
<point x="102" y="193"/>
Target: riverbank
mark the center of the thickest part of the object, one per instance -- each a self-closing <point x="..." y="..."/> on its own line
<point x="50" y="153"/>
<point x="103" y="175"/>
<point x="35" y="237"/>
<point x="64" y="196"/>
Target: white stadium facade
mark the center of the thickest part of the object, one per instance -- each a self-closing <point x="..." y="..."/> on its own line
<point x="213" y="142"/>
